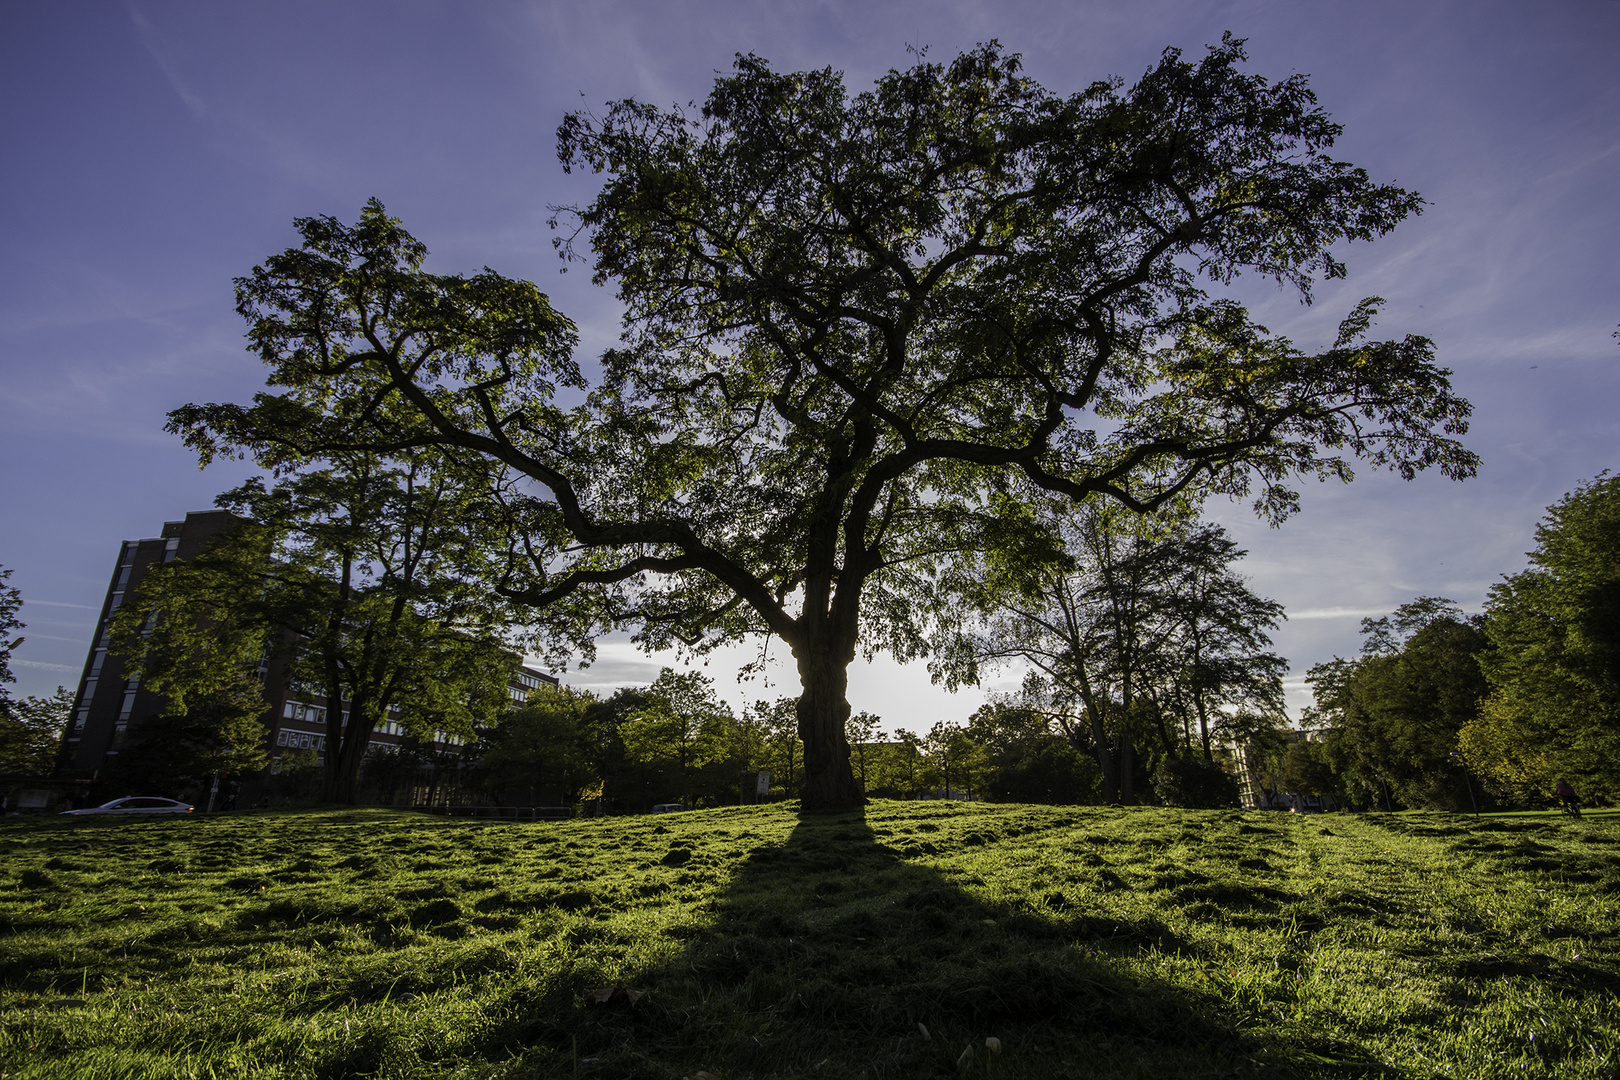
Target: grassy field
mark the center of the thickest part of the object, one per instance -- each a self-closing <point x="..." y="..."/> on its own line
<point x="916" y="940"/>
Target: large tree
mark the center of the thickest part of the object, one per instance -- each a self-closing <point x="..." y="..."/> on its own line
<point x="862" y="334"/>
<point x="1554" y="673"/>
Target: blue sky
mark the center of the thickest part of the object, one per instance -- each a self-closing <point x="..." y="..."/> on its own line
<point x="154" y="150"/>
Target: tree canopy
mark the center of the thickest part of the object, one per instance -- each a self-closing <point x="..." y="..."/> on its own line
<point x="1554" y="671"/>
<point x="863" y="333"/>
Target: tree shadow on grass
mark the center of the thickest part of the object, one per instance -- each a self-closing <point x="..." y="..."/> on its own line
<point x="836" y="954"/>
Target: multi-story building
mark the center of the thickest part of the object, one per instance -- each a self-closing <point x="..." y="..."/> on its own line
<point x="109" y="705"/>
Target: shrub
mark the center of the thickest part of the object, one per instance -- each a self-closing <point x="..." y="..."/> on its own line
<point x="1195" y="784"/>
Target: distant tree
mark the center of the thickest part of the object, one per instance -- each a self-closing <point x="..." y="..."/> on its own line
<point x="864" y="334"/>
<point x="1146" y="635"/>
<point x="221" y="734"/>
<point x="542" y="743"/>
<point x="1218" y="641"/>
<point x="1028" y="760"/>
<point x="898" y="769"/>
<point x="957" y="762"/>
<point x="622" y="782"/>
<point x="677" y="726"/>
<point x="1554" y="671"/>
<point x="31" y="731"/>
<point x="1306" y="769"/>
<point x="784" y="750"/>
<point x="860" y="731"/>
<point x="734" y="745"/>
<point x="31" y="727"/>
<point x="1397" y="710"/>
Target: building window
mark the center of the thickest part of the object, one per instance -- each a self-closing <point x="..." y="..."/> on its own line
<point x="306" y="714"/>
<point x="95" y="664"/>
<point x="170" y="549"/>
<point x="89" y="692"/>
<point x="128" y="707"/>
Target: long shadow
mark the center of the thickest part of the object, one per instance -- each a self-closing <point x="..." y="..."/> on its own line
<point x="837" y="955"/>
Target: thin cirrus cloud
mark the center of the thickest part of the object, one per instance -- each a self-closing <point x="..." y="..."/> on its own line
<point x="161" y="49"/>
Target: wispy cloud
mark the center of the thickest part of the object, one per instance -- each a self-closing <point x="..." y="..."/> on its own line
<point x="42" y="666"/>
<point x="158" y="48"/>
<point x="1337" y="613"/>
<point x="58" y="603"/>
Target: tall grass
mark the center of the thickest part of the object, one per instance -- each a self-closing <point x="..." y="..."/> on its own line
<point x="913" y="940"/>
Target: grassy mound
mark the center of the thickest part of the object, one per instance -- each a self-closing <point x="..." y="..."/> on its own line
<point x="915" y="940"/>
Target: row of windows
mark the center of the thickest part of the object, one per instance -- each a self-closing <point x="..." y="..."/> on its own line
<point x="300" y="740"/>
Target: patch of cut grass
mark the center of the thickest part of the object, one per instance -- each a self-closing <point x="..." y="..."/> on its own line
<point x="1090" y="942"/>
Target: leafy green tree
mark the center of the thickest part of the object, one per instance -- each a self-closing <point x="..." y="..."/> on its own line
<point x="678" y="725"/>
<point x="31" y="727"/>
<point x="1398" y="709"/>
<point x="1144" y="636"/>
<point x="1218" y="642"/>
<point x="860" y="731"/>
<point x="784" y="751"/>
<point x="360" y="575"/>
<point x="1306" y="768"/>
<point x="1194" y="782"/>
<point x="899" y="769"/>
<point x="864" y="334"/>
<point x="1028" y="760"/>
<point x="1554" y="671"/>
<point x="956" y="759"/>
<point x="544" y="743"/>
<point x="31" y="732"/>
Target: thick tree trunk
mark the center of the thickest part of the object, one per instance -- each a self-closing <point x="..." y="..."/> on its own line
<point x="1105" y="759"/>
<point x="1127" y="770"/>
<point x="823" y="709"/>
<point x="346" y="745"/>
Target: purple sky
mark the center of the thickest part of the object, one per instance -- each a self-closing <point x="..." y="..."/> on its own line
<point x="155" y="150"/>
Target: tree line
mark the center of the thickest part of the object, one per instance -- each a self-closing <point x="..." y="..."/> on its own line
<point x="1453" y="711"/>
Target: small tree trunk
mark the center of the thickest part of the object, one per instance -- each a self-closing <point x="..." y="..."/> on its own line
<point x="823" y="710"/>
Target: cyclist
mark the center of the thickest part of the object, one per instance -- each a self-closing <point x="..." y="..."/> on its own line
<point x="1567" y="801"/>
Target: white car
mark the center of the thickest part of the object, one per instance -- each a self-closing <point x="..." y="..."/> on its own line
<point x="136" y="805"/>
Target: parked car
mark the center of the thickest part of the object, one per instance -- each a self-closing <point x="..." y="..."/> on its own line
<point x="667" y="808"/>
<point x="136" y="804"/>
